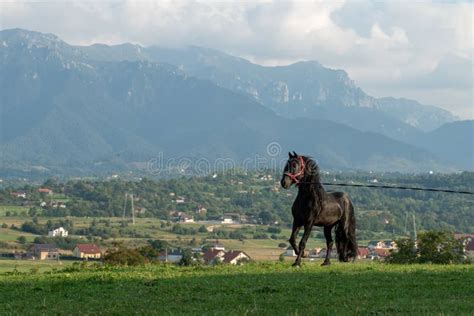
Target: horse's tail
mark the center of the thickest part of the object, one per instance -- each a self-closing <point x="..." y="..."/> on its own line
<point x="346" y="243"/>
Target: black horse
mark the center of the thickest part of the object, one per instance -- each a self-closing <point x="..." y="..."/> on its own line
<point x="315" y="207"/>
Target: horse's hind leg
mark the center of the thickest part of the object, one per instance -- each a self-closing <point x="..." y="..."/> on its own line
<point x="329" y="243"/>
<point x="294" y="232"/>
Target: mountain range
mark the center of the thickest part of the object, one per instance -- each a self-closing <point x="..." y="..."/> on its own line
<point x="86" y="105"/>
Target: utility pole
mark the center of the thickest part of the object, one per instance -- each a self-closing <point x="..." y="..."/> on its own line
<point x="133" y="210"/>
<point x="414" y="227"/>
<point x="406" y="223"/>
<point x="124" y="206"/>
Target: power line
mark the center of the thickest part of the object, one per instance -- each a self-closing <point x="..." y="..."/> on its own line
<point x="390" y="187"/>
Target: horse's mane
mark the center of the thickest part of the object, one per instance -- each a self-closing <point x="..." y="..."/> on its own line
<point x="312" y="169"/>
<point x="312" y="176"/>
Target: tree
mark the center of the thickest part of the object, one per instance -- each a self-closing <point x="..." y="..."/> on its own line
<point x="266" y="217"/>
<point x="187" y="258"/>
<point x="158" y="244"/>
<point x="22" y="240"/>
<point x="439" y="247"/>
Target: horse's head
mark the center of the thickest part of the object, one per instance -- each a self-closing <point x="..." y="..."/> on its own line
<point x="294" y="170"/>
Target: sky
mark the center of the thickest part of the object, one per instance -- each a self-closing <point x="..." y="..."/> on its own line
<point x="421" y="50"/>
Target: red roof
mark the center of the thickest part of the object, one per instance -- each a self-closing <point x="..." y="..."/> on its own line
<point x="381" y="252"/>
<point x="470" y="245"/>
<point x="363" y="252"/>
<point x="211" y="254"/>
<point x="231" y="255"/>
<point x="44" y="190"/>
<point x="88" y="248"/>
<point x="463" y="236"/>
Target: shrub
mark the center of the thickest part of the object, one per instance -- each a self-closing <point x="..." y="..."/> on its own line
<point x="236" y="235"/>
<point x="282" y="245"/>
<point x="124" y="256"/>
<point x="432" y="247"/>
<point x="274" y="230"/>
<point x="406" y="252"/>
<point x="260" y="236"/>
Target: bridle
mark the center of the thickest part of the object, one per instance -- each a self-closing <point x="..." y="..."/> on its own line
<point x="294" y="176"/>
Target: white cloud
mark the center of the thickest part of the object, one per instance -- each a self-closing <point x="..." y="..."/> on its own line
<point x="383" y="45"/>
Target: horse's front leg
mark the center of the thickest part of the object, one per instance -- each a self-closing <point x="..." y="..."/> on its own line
<point x="294" y="232"/>
<point x="307" y="231"/>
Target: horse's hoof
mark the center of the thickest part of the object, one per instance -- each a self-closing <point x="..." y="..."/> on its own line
<point x="296" y="265"/>
<point x="325" y="263"/>
<point x="305" y="254"/>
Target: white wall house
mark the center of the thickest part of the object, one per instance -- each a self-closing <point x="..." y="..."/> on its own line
<point x="290" y="252"/>
<point x="58" y="232"/>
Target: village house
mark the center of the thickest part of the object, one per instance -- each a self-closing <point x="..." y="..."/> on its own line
<point x="175" y="214"/>
<point x="44" y="252"/>
<point x="217" y="246"/>
<point x="58" y="232"/>
<point x="45" y="191"/>
<point x="140" y="210"/>
<point x="469" y="248"/>
<point x="180" y="200"/>
<point x="313" y="253"/>
<point x="201" y="210"/>
<point x="290" y="252"/>
<point x="212" y="255"/>
<point x="171" y="256"/>
<point x="322" y="253"/>
<point x="226" y="219"/>
<point x="87" y="251"/>
<point x="55" y="204"/>
<point x="468" y="243"/>
<point x="362" y="253"/>
<point x="184" y="218"/>
<point x="379" y="253"/>
<point x="21" y="255"/>
<point x="382" y="244"/>
<point x="18" y="194"/>
<point x="235" y="257"/>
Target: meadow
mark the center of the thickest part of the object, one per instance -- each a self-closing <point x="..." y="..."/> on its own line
<point x="252" y="289"/>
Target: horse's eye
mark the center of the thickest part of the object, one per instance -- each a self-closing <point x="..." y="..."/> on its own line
<point x="293" y="165"/>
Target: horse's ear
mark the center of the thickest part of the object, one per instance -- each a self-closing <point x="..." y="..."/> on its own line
<point x="295" y="154"/>
<point x="290" y="155"/>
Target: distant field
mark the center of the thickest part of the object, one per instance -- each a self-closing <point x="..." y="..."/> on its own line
<point x="12" y="208"/>
<point x="256" y="289"/>
<point x="9" y="265"/>
<point x="7" y="234"/>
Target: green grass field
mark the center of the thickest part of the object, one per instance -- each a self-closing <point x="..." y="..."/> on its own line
<point x="256" y="289"/>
